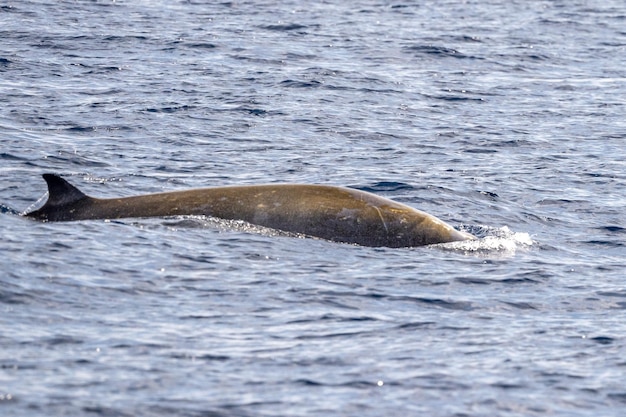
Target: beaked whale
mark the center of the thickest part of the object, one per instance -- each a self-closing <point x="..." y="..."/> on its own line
<point x="333" y="213"/>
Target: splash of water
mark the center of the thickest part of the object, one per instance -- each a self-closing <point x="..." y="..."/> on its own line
<point x="492" y="241"/>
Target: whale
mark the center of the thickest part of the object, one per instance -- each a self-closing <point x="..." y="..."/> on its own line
<point x="333" y="213"/>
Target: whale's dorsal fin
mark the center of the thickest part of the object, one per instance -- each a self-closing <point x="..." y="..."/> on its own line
<point x="61" y="192"/>
<point x="61" y="197"/>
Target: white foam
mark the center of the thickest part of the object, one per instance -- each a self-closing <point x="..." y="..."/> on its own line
<point x="492" y="241"/>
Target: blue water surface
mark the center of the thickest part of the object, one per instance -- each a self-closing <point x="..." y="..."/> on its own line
<point x="503" y="118"/>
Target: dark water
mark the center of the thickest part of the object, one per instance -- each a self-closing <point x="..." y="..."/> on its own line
<point x="504" y="118"/>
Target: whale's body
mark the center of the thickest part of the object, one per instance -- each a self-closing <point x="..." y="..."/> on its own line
<point x="334" y="213"/>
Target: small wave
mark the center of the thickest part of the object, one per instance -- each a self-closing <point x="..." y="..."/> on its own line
<point x="284" y="27"/>
<point x="603" y="340"/>
<point x="436" y="302"/>
<point x="439" y="51"/>
<point x="169" y="109"/>
<point x="201" y="45"/>
<point x="384" y="186"/>
<point x="300" y="84"/>
<point x="456" y="98"/>
<point x="608" y="243"/>
<point x="351" y="384"/>
<point x="252" y="110"/>
<point x="11" y="157"/>
<point x="4" y="209"/>
<point x="612" y="229"/>
<point x="9" y="296"/>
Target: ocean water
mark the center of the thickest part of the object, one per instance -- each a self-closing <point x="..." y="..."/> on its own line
<point x="504" y="118"/>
